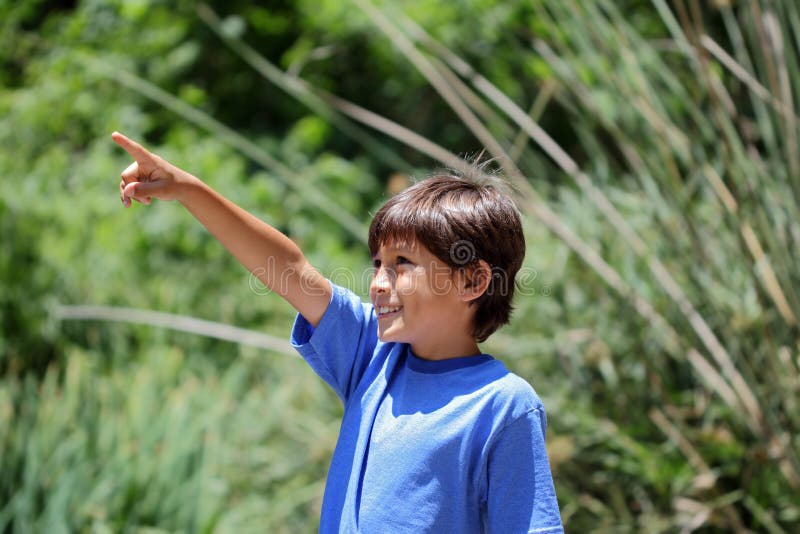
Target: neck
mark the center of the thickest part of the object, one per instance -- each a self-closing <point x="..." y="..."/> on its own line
<point x="446" y="349"/>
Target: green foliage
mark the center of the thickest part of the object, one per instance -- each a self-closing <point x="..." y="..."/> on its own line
<point x="163" y="442"/>
<point x="657" y="312"/>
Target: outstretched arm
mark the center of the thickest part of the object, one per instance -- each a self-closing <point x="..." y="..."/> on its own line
<point x="267" y="253"/>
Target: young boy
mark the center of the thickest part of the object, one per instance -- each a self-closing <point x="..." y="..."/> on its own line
<point x="436" y="436"/>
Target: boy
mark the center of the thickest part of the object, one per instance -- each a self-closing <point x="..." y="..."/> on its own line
<point x="436" y="436"/>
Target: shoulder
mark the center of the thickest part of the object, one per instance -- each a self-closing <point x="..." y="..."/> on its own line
<point x="516" y="395"/>
<point x="345" y="312"/>
<point x="514" y="402"/>
<point x="342" y="345"/>
<point x="345" y="298"/>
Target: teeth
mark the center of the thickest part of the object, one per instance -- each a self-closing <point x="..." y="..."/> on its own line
<point x="387" y="309"/>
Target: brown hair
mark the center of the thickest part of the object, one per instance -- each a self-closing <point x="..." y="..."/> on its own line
<point x="461" y="221"/>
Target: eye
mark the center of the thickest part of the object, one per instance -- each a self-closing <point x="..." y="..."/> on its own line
<point x="376" y="263"/>
<point x="402" y="259"/>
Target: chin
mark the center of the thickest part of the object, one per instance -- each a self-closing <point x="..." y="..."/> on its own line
<point x="384" y="337"/>
<point x="389" y="336"/>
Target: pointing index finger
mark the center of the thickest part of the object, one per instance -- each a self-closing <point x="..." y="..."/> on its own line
<point x="139" y="153"/>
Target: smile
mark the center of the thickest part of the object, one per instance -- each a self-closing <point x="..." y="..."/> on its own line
<point x="384" y="311"/>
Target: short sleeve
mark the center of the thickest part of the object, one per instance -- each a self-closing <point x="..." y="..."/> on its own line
<point x="339" y="349"/>
<point x="520" y="494"/>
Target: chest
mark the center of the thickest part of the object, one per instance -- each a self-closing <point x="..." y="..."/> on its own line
<point x="431" y="425"/>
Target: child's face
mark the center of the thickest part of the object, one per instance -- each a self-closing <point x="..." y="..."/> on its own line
<point x="418" y="300"/>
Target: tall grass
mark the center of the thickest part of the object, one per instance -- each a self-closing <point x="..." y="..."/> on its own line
<point x="164" y="445"/>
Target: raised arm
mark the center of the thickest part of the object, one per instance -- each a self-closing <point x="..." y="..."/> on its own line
<point x="267" y="253"/>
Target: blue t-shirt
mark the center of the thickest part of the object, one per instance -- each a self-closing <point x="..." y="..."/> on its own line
<point x="454" y="445"/>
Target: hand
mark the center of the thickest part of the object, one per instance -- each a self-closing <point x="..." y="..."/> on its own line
<point x="149" y="176"/>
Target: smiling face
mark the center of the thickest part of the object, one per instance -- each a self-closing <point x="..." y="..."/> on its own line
<point x="419" y="300"/>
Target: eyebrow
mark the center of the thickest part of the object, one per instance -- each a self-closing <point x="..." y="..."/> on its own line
<point x="404" y="249"/>
<point x="403" y="246"/>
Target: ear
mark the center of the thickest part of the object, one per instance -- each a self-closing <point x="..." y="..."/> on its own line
<point x="475" y="281"/>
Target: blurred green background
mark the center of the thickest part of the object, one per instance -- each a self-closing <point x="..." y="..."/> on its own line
<point x="653" y="148"/>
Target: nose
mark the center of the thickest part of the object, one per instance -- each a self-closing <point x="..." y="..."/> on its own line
<point x="381" y="282"/>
